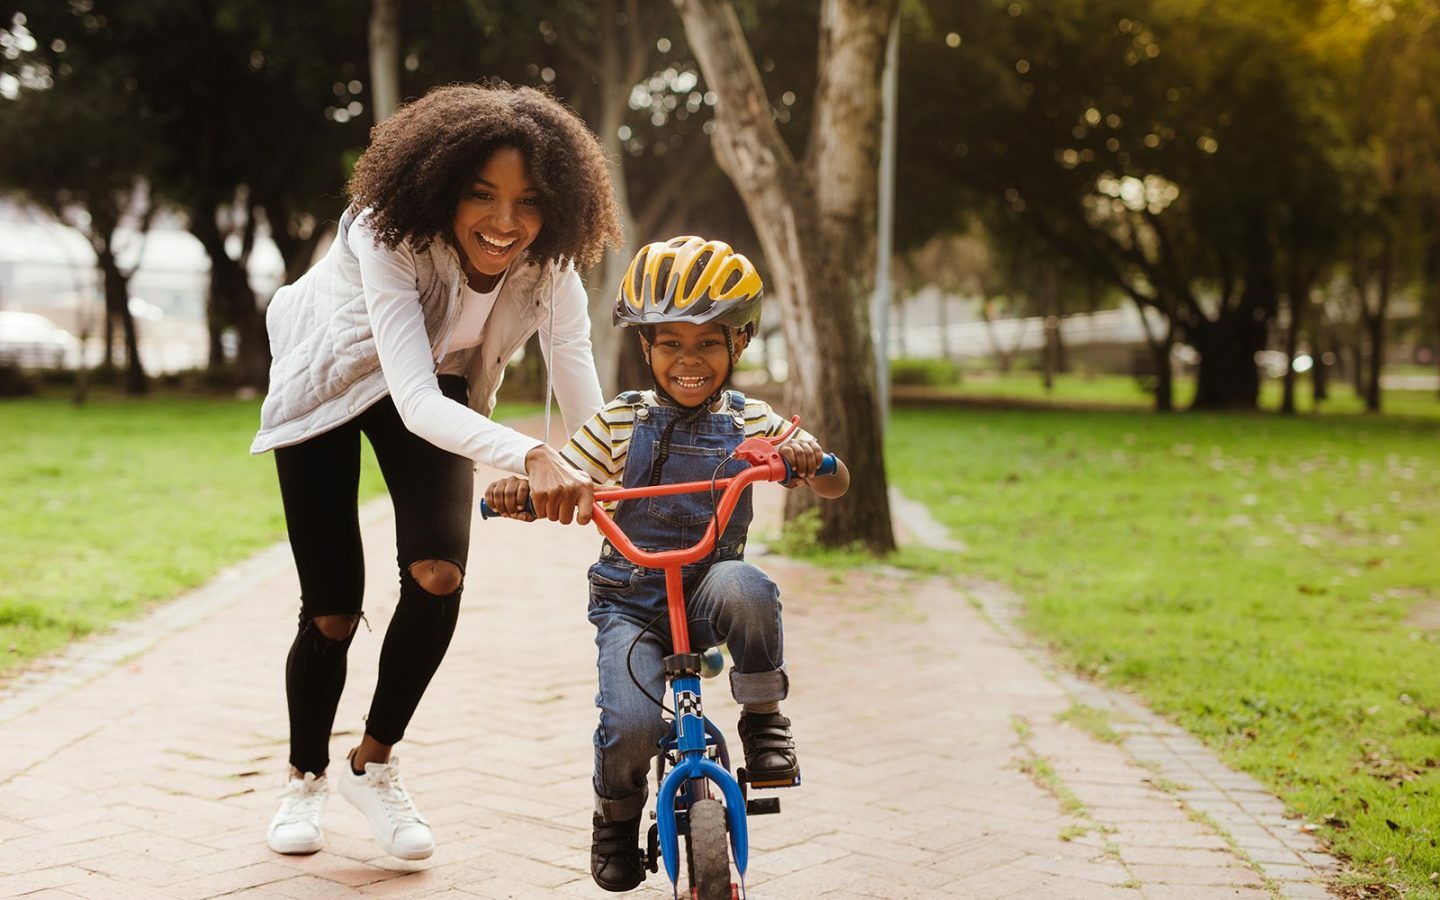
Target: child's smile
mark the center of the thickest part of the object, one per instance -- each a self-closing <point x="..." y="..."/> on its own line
<point x="691" y="362"/>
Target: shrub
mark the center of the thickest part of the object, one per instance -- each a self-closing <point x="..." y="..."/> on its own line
<point x="933" y="372"/>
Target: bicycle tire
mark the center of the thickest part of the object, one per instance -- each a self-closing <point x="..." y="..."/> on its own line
<point x="707" y="851"/>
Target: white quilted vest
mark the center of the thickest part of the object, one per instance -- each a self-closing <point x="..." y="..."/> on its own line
<point x="325" y="369"/>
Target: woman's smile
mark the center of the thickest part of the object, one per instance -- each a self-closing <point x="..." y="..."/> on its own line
<point x="497" y="218"/>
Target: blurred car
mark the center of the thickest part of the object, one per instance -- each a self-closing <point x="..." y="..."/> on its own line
<point x="31" y="341"/>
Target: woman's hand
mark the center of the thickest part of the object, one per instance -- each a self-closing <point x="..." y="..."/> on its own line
<point x="507" y="497"/>
<point x="558" y="491"/>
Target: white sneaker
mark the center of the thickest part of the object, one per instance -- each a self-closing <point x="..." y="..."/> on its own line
<point x="296" y="826"/>
<point x="397" y="824"/>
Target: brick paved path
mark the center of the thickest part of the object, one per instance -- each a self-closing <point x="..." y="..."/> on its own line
<point x="149" y="767"/>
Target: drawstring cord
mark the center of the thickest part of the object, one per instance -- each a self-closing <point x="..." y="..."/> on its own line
<point x="550" y="370"/>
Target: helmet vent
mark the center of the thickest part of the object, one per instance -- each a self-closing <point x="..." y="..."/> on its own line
<point x="732" y="280"/>
<point x="697" y="268"/>
<point x="637" y="286"/>
<point x="664" y="290"/>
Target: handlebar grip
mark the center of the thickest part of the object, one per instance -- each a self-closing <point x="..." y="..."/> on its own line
<point x="829" y="465"/>
<point x="487" y="513"/>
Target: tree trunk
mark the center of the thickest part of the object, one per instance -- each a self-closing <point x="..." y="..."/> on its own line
<point x="1164" y="380"/>
<point x="117" y="300"/>
<point x="231" y="304"/>
<point x="115" y="287"/>
<point x="1375" y="329"/>
<point x="1319" y="348"/>
<point x="296" y="240"/>
<point x="816" y="224"/>
<point x="1431" y="287"/>
<point x="1160" y="350"/>
<point x="1296" y="303"/>
<point x="1228" y="377"/>
<point x="1049" y="350"/>
<point x="107" y="355"/>
<point x="1004" y="357"/>
<point x="384" y="58"/>
<point x="615" y="84"/>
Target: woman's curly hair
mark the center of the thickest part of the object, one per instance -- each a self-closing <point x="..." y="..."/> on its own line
<point x="421" y="159"/>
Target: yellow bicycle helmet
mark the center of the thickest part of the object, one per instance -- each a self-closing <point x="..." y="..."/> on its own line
<point x="690" y="279"/>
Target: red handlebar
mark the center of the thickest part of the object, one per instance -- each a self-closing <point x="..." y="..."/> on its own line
<point x="766" y="464"/>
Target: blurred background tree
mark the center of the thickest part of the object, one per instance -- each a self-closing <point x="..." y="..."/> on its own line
<point x="1260" y="178"/>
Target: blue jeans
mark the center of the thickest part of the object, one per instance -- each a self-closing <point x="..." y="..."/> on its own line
<point x="732" y="602"/>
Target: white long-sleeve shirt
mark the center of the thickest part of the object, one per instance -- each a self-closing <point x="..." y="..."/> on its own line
<point x="367" y="321"/>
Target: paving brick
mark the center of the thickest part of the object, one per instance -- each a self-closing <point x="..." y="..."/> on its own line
<point x="130" y="775"/>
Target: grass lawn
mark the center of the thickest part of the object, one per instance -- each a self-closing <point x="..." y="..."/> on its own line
<point x="1272" y="583"/>
<point x="112" y="507"/>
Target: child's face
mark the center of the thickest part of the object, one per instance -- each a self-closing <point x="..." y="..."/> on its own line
<point x="691" y="361"/>
<point x="498" y="215"/>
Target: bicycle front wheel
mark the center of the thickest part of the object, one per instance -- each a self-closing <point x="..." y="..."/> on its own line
<point x="707" y="849"/>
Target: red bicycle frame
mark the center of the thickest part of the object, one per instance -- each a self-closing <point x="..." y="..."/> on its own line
<point x="766" y="464"/>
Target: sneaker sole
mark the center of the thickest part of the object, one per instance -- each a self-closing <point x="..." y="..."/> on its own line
<point x="406" y="854"/>
<point x="296" y="848"/>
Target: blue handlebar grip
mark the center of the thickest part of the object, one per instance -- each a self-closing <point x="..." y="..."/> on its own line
<point x="829" y="465"/>
<point x="487" y="513"/>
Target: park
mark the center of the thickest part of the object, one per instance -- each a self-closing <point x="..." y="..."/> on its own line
<point x="1124" y="316"/>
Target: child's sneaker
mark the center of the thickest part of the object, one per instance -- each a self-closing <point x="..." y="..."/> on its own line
<point x="769" y="749"/>
<point x="394" y="820"/>
<point x="615" y="854"/>
<point x="296" y="826"/>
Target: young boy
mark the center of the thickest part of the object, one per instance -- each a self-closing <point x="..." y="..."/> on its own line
<point x="697" y="304"/>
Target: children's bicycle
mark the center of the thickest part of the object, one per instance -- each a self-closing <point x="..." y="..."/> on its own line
<point x="698" y="798"/>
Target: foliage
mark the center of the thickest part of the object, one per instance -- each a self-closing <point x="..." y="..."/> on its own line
<point x="1192" y="156"/>
<point x="924" y="371"/>
<point x="1267" y="582"/>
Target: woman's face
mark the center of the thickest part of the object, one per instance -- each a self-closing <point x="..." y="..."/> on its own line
<point x="497" y="218"/>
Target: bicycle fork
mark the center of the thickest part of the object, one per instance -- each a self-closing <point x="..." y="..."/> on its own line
<point x="683" y="671"/>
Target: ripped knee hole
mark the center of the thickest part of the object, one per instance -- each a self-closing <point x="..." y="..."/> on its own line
<point x="437" y="576"/>
<point x="337" y="627"/>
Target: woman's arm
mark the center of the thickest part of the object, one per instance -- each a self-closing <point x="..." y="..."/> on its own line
<point x="572" y="361"/>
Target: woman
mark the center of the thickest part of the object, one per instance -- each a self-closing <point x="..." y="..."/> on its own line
<point x="470" y="210"/>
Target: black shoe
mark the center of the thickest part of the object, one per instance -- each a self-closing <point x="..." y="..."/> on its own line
<point x="615" y="854"/>
<point x="769" y="748"/>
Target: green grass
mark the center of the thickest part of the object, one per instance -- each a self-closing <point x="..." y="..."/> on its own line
<point x="110" y="508"/>
<point x="1272" y="583"/>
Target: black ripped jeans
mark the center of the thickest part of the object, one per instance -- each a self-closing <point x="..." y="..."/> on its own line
<point x="432" y="491"/>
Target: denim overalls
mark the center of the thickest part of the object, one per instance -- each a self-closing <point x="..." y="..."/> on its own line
<point x="727" y="599"/>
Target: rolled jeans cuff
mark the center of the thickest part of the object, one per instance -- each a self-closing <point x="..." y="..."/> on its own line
<point x="759" y="687"/>
<point x="623" y="808"/>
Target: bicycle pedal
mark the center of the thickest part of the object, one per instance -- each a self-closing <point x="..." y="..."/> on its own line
<point x="767" y="806"/>
<point x="743" y="776"/>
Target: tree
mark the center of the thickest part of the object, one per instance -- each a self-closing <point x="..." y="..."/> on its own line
<point x="1394" y="120"/>
<point x="815" y="218"/>
<point x="70" y="145"/>
<point x="1161" y="146"/>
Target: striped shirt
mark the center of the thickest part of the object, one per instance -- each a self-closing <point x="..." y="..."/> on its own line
<point x="600" y="446"/>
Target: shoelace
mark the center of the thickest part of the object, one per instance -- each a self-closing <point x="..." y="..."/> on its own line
<point x="302" y="801"/>
<point x="398" y="805"/>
